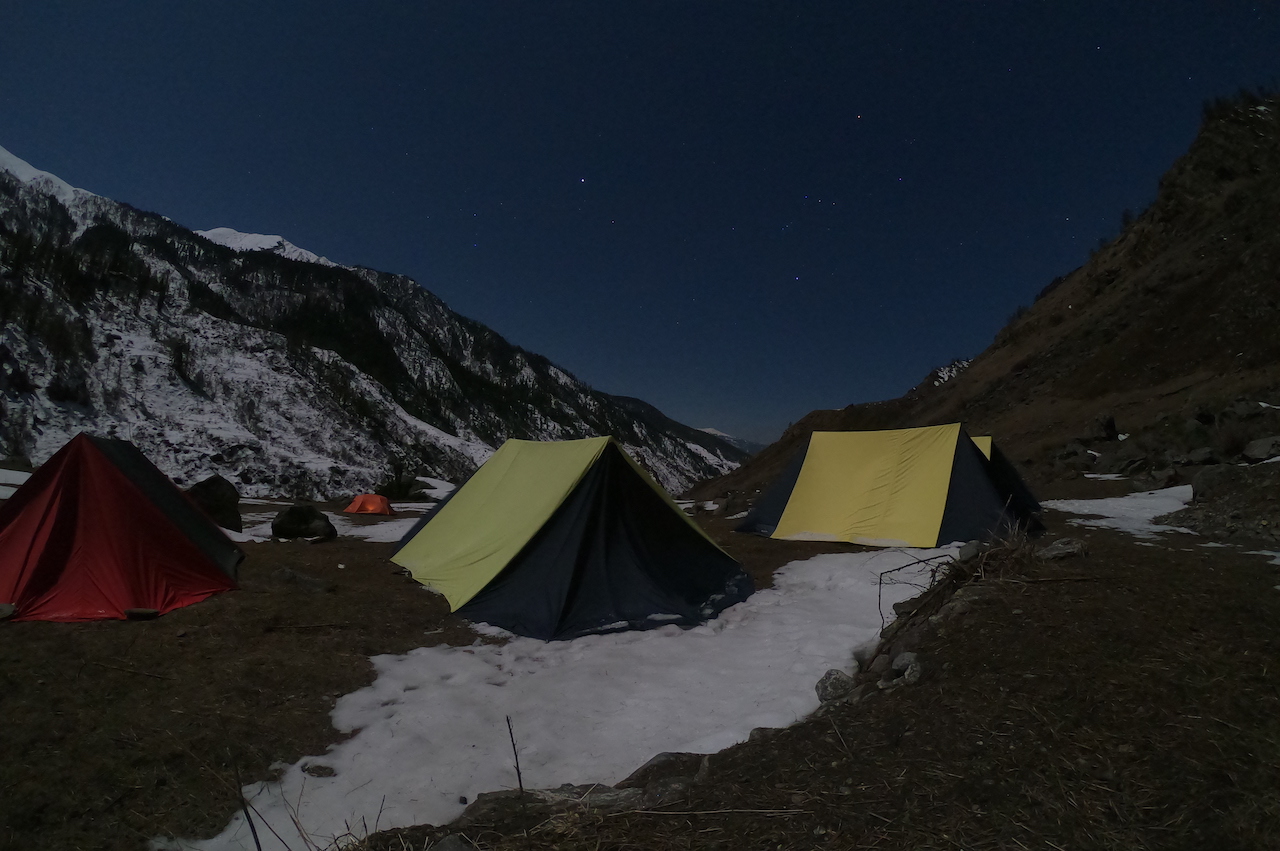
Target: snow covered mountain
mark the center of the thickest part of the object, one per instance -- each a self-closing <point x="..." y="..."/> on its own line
<point x="749" y="446"/>
<point x="261" y="242"/>
<point x="244" y="355"/>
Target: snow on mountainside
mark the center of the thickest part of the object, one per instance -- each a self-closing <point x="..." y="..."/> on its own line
<point x="748" y="446"/>
<point x="243" y="355"/>
<point x="262" y="242"/>
<point x="42" y="180"/>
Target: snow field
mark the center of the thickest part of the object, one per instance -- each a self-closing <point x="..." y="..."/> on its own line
<point x="432" y="727"/>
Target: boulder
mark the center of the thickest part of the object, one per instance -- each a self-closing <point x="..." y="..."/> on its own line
<point x="1262" y="449"/>
<point x="1156" y="480"/>
<point x="1126" y="458"/>
<point x="1202" y="456"/>
<point x="667" y="777"/>
<point x="906" y="670"/>
<point x="218" y="498"/>
<point x="1211" y="482"/>
<point x="1103" y="427"/>
<point x="834" y="685"/>
<point x="665" y="766"/>
<point x="1243" y="409"/>
<point x="909" y="668"/>
<point x="303" y="521"/>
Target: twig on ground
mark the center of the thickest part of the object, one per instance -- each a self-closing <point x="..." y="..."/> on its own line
<point x="244" y="807"/>
<point x="132" y="671"/>
<point x="512" y="734"/>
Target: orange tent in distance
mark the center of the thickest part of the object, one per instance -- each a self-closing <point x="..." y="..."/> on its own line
<point x="369" y="503"/>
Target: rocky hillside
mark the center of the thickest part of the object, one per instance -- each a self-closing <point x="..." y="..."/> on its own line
<point x="1170" y="334"/>
<point x="287" y="374"/>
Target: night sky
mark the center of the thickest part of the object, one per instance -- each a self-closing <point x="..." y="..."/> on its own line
<point x="738" y="212"/>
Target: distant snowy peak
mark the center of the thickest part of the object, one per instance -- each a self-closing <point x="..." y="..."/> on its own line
<point x="742" y="443"/>
<point x="263" y="242"/>
<point x="42" y="180"/>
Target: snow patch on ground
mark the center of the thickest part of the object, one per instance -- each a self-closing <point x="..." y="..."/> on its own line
<point x="436" y="488"/>
<point x="13" y="477"/>
<point x="384" y="531"/>
<point x="1133" y="513"/>
<point x="432" y="727"/>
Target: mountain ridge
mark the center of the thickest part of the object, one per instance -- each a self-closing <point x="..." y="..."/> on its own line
<point x="284" y="374"/>
<point x="1171" y="331"/>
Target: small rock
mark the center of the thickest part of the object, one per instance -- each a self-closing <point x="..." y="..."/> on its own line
<point x="969" y="551"/>
<point x="906" y="607"/>
<point x="908" y="667"/>
<point x="879" y="665"/>
<point x="453" y="842"/>
<point x="1062" y="548"/>
<point x="865" y="653"/>
<point x="834" y="685"/>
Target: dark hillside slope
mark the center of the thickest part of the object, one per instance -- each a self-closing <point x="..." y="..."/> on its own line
<point x="1173" y="329"/>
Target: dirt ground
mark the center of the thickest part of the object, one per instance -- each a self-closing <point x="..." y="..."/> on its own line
<point x="1129" y="699"/>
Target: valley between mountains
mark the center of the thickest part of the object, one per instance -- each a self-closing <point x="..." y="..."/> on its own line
<point x="1127" y="696"/>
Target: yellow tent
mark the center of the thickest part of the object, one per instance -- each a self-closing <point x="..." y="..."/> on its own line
<point x="918" y="487"/>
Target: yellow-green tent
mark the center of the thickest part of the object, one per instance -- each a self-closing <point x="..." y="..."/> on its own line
<point x="917" y="487"/>
<point x="557" y="539"/>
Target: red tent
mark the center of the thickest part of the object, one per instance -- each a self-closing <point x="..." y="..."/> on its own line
<point x="369" y="503"/>
<point x="98" y="530"/>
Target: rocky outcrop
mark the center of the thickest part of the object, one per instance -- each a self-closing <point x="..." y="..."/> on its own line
<point x="218" y="498"/>
<point x="303" y="521"/>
